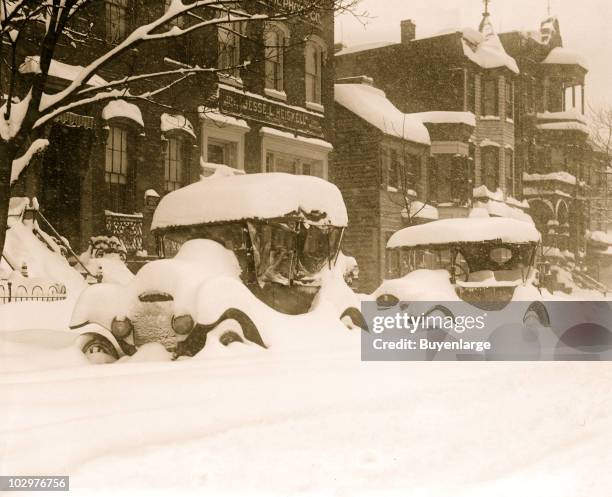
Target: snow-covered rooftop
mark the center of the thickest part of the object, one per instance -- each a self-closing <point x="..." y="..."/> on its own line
<point x="465" y="230"/>
<point x="221" y="198"/>
<point x="67" y="72"/>
<point x="121" y="108"/>
<point x="372" y="105"/>
<point x="486" y="50"/>
<point x="568" y="115"/>
<point x="364" y="46"/>
<point x="563" y="56"/>
<point x="565" y="126"/>
<point x="562" y="176"/>
<point x="444" y="117"/>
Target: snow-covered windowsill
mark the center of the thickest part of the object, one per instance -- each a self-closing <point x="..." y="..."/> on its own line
<point x="276" y="94"/>
<point x="230" y="80"/>
<point x="490" y="118"/>
<point x="392" y="189"/>
<point x="315" y="106"/>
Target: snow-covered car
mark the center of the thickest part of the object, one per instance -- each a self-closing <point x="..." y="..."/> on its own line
<point x="237" y="249"/>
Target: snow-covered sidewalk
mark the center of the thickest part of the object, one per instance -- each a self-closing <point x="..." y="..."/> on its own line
<point x="310" y="419"/>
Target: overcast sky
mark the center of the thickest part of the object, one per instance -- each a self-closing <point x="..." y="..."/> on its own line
<point x="586" y="27"/>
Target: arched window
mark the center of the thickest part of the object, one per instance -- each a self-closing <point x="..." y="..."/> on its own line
<point x="313" y="53"/>
<point x="229" y="48"/>
<point x="116" y="167"/>
<point x="275" y="41"/>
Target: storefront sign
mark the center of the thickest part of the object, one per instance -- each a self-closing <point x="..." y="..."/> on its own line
<point x="260" y="109"/>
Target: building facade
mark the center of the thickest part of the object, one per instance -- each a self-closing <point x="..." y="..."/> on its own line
<point x="465" y="71"/>
<point x="380" y="165"/>
<point x="268" y="107"/>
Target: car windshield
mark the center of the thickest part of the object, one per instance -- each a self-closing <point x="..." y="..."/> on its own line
<point x="475" y="262"/>
<point x="292" y="252"/>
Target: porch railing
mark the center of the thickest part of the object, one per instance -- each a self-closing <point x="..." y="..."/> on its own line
<point x="126" y="227"/>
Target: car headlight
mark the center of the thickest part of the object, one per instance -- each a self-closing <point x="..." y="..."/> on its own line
<point x="121" y="328"/>
<point x="182" y="325"/>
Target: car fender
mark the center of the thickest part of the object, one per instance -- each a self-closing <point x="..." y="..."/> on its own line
<point x="100" y="304"/>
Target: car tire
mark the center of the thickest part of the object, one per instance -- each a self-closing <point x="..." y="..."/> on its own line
<point x="98" y="349"/>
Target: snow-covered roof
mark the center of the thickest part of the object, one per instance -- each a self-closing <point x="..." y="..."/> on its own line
<point x="565" y="126"/>
<point x="486" y="50"/>
<point x="444" y="117"/>
<point x="465" y="230"/>
<point x="563" y="56"/>
<point x="364" y="46"/>
<point x="568" y="115"/>
<point x="562" y="176"/>
<point x="121" y="108"/>
<point x="372" y="105"/>
<point x="220" y="198"/>
<point x="67" y="72"/>
<point x="178" y="122"/>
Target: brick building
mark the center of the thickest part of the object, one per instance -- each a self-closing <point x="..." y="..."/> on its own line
<point x="108" y="163"/>
<point x="380" y="166"/>
<point x="465" y="71"/>
<point x="553" y="146"/>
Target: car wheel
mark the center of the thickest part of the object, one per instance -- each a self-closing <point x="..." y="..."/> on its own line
<point x="99" y="350"/>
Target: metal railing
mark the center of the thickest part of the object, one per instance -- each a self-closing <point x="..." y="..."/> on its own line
<point x="22" y="292"/>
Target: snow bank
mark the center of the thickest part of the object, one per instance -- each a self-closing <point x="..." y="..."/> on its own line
<point x="22" y="246"/>
<point x="563" y="56"/>
<point x="250" y="196"/>
<point x="372" y="105"/>
<point x="171" y="122"/>
<point x="121" y="108"/>
<point x="465" y="230"/>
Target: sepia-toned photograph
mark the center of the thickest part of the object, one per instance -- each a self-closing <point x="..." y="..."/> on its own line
<point x="308" y="248"/>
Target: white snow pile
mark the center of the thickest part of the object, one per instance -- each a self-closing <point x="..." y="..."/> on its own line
<point x="111" y="267"/>
<point x="22" y="246"/>
<point x="172" y="122"/>
<point x="563" y="56"/>
<point x="421" y="210"/>
<point x="486" y="50"/>
<point x="372" y="105"/>
<point x="465" y="230"/>
<point x="57" y="69"/>
<point x="250" y="196"/>
<point x="121" y="108"/>
<point x="502" y="209"/>
<point x="444" y="117"/>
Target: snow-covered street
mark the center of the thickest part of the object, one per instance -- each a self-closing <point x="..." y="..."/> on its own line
<point x="305" y="418"/>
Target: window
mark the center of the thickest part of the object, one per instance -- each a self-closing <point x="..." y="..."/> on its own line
<point x="314" y="62"/>
<point x="229" y="48"/>
<point x="441" y="182"/>
<point x="393" y="169"/>
<point x="490" y="167"/>
<point x="280" y="162"/>
<point x="274" y="58"/>
<point x="412" y="171"/>
<point x="173" y="164"/>
<point x="116" y="167"/>
<point x="115" y="18"/>
<point x="222" y="152"/>
<point x="471" y="92"/>
<point x="509" y="168"/>
<point x="489" y="106"/>
<point x="509" y="99"/>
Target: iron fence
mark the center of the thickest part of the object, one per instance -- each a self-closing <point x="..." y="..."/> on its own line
<point x="20" y="292"/>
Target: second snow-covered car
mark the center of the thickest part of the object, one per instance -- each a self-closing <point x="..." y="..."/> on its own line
<point x="235" y="248"/>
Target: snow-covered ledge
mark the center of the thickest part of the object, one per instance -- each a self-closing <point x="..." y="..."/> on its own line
<point x="176" y="122"/>
<point x="122" y="109"/>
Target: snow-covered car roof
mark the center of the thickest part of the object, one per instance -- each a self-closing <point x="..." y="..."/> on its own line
<point x="465" y="230"/>
<point x="251" y="196"/>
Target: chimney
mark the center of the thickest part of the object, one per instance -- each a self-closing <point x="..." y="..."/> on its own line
<point x="408" y="28"/>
